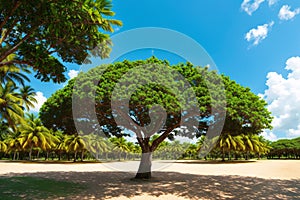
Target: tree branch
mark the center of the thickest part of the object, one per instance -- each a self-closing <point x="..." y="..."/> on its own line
<point x="13" y="49"/>
<point x="162" y="137"/>
<point x="15" y="62"/>
<point x="17" y="4"/>
<point x="7" y="32"/>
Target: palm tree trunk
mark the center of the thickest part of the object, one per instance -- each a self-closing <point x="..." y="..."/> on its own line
<point x="223" y="155"/>
<point x="75" y="155"/>
<point x="30" y="152"/>
<point x="15" y="152"/>
<point x="120" y="154"/>
<point x="82" y="154"/>
<point x="47" y="155"/>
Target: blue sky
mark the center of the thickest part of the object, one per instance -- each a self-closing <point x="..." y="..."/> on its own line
<point x="255" y="42"/>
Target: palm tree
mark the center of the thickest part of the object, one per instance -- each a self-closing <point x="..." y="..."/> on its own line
<point x="252" y="144"/>
<point x="228" y="143"/>
<point x="11" y="109"/>
<point x="205" y="146"/>
<point x="75" y="144"/>
<point x="96" y="144"/>
<point x="12" y="73"/>
<point x="60" y="147"/>
<point x="137" y="151"/>
<point x="120" y="145"/>
<point x="265" y="146"/>
<point x="131" y="148"/>
<point x="3" y="146"/>
<point x="34" y="134"/>
<point x="27" y="94"/>
<point x="14" y="144"/>
<point x="176" y="149"/>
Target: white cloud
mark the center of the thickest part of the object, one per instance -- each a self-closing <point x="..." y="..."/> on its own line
<point x="283" y="97"/>
<point x="40" y="101"/>
<point x="258" y="34"/>
<point x="269" y="135"/>
<point x="73" y="73"/>
<point x="249" y="6"/>
<point x="285" y="13"/>
<point x="272" y="2"/>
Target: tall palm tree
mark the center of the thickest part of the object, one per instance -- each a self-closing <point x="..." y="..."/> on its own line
<point x="27" y="94"/>
<point x="11" y="109"/>
<point x="119" y="145"/>
<point x="96" y="144"/>
<point x="14" y="144"/>
<point x="75" y="144"/>
<point x="60" y="147"/>
<point x="131" y="148"/>
<point x="34" y="134"/>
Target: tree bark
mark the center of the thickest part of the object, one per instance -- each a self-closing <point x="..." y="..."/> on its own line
<point x="82" y="154"/>
<point x="30" y="152"/>
<point x="75" y="155"/>
<point x="15" y="152"/>
<point x="144" y="171"/>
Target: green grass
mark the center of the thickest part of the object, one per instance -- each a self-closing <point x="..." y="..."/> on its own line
<point x="36" y="188"/>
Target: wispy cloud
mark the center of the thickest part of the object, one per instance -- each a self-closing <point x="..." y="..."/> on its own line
<point x="256" y="35"/>
<point x="272" y="2"/>
<point x="249" y="6"/>
<point x="285" y="13"/>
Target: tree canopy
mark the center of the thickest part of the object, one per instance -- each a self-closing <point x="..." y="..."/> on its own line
<point x="146" y="98"/>
<point x="38" y="32"/>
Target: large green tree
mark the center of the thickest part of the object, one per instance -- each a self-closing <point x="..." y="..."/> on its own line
<point x="35" y="30"/>
<point x="191" y="103"/>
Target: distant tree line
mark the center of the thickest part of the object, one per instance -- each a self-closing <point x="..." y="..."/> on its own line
<point x="285" y="148"/>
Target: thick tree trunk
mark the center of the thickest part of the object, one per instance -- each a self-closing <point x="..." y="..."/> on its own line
<point x="144" y="171"/>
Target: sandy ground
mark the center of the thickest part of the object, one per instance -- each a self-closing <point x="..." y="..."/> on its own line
<point x="265" y="179"/>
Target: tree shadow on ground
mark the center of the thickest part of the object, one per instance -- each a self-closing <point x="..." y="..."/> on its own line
<point x="105" y="185"/>
<point x="214" y="161"/>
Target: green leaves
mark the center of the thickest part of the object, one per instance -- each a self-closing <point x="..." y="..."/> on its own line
<point x="67" y="29"/>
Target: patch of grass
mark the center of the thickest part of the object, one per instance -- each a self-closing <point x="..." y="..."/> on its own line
<point x="25" y="187"/>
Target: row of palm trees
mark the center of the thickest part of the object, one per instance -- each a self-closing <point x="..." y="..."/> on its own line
<point x="32" y="141"/>
<point x="243" y="145"/>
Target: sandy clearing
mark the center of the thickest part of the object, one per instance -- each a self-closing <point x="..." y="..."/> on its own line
<point x="265" y="179"/>
<point x="269" y="169"/>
